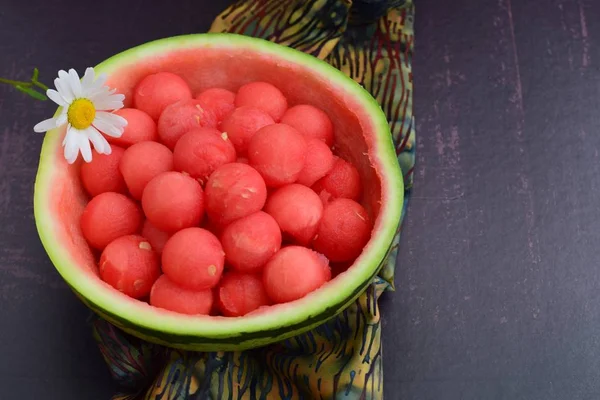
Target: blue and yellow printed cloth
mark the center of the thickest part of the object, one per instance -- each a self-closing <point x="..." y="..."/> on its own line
<point x="372" y="42"/>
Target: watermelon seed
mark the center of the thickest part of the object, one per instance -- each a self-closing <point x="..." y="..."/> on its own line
<point x="145" y="246"/>
<point x="197" y="119"/>
<point x="251" y="190"/>
<point x="212" y="270"/>
<point x="185" y="173"/>
<point x="359" y="216"/>
<point x="245" y="196"/>
<point x="224" y="136"/>
<point x="138" y="284"/>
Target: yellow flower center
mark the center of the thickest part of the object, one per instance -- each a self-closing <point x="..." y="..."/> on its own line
<point x="81" y="113"/>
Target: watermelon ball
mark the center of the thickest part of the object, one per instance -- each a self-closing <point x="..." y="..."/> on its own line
<point x="297" y="210"/>
<point x="140" y="128"/>
<point x="294" y="272"/>
<point x="264" y="96"/>
<point x="242" y="124"/>
<point x="181" y="117"/>
<point x="130" y="265"/>
<point x="343" y="181"/>
<point x="157" y="91"/>
<point x="102" y="173"/>
<point x="278" y="153"/>
<point x="200" y="151"/>
<point x="251" y="241"/>
<point x="109" y="216"/>
<point x="319" y="161"/>
<point x="142" y="162"/>
<point x="310" y="121"/>
<point x="155" y="236"/>
<point x="169" y="296"/>
<point x="193" y="259"/>
<point x="173" y="201"/>
<point x="219" y="101"/>
<point x="234" y="191"/>
<point x="344" y="230"/>
<point x="239" y="294"/>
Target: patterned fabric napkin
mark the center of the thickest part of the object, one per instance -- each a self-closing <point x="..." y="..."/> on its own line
<point x="372" y="42"/>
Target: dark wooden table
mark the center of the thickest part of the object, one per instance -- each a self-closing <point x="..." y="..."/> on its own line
<point x="498" y="285"/>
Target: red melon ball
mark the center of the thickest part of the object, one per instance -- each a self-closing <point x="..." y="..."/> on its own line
<point x="173" y="201"/>
<point x="181" y="117"/>
<point x="140" y="128"/>
<point x="169" y="296"/>
<point x="242" y="124"/>
<point x="219" y="101"/>
<point x="251" y="241"/>
<point x="319" y="161"/>
<point x="200" y="151"/>
<point x="234" y="191"/>
<point x="343" y="181"/>
<point x="193" y="259"/>
<point x="157" y="91"/>
<point x="102" y="173"/>
<point x="297" y="210"/>
<point x="130" y="265"/>
<point x="264" y="96"/>
<point x="155" y="236"/>
<point x="344" y="230"/>
<point x="109" y="216"/>
<point x="310" y="121"/>
<point x="142" y="162"/>
<point x="239" y="294"/>
<point x="294" y="272"/>
<point x="278" y="153"/>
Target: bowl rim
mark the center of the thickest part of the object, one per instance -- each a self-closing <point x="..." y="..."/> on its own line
<point x="339" y="291"/>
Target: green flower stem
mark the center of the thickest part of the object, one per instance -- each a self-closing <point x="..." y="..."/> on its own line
<point x="29" y="88"/>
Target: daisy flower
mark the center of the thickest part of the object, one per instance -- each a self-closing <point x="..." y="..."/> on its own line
<point x="86" y="107"/>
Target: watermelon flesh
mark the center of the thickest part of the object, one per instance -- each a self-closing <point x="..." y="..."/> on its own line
<point x="361" y="138"/>
<point x="140" y="128"/>
<point x="250" y="240"/>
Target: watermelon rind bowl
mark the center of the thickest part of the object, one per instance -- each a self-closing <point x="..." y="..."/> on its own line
<point x="228" y="60"/>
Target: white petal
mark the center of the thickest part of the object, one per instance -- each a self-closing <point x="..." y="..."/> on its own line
<point x="110" y="106"/>
<point x="45" y="125"/>
<point x="100" y="80"/>
<point x="103" y="93"/>
<point x="56" y="97"/>
<point x="71" y="144"/>
<point x="96" y="86"/>
<point x="64" y="89"/>
<point x="62" y="119"/>
<point x="109" y="124"/>
<point x="110" y="102"/>
<point x="88" y="78"/>
<point x="100" y="143"/>
<point x="112" y="118"/>
<point x="75" y="83"/>
<point x="94" y="93"/>
<point x="84" y="146"/>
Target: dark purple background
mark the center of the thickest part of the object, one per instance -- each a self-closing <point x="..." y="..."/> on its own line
<point x="499" y="284"/>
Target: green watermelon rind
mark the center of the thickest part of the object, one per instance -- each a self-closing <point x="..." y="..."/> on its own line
<point x="280" y="322"/>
